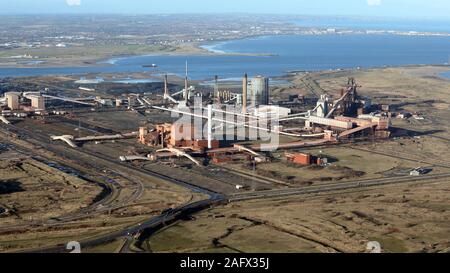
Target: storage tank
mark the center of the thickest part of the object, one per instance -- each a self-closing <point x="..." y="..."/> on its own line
<point x="259" y="93"/>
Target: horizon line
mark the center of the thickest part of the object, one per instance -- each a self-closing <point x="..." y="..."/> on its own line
<point x="226" y="13"/>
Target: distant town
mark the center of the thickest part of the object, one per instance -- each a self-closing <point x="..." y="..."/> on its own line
<point x="179" y="133"/>
<point x="42" y="37"/>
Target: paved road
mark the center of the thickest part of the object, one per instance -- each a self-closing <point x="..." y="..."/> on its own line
<point x="218" y="199"/>
<point x="48" y="144"/>
<point x="108" y="198"/>
<point x="168" y="216"/>
<point x="179" y="213"/>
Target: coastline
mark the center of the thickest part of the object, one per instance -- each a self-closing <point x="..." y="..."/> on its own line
<point x="437" y="71"/>
<point x="104" y="59"/>
<point x="194" y="49"/>
<point x="210" y="48"/>
<point x="109" y="64"/>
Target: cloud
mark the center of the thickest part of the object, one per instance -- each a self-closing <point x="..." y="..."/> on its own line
<point x="374" y="2"/>
<point x="73" y="2"/>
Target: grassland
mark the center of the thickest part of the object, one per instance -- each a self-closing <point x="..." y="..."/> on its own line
<point x="33" y="190"/>
<point x="89" y="55"/>
<point x="37" y="196"/>
<point x="403" y="218"/>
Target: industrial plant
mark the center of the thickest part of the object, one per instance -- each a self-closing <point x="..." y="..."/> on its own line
<point x="222" y="122"/>
<point x="217" y="129"/>
<point x="147" y="149"/>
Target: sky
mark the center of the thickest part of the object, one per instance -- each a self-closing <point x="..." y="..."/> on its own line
<point x="409" y="9"/>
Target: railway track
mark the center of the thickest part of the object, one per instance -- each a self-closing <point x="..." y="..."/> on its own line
<point x="160" y="221"/>
<point x="109" y="197"/>
<point x="215" y="199"/>
<point x="47" y="143"/>
<point x="172" y="215"/>
<point x="333" y="187"/>
<point x="256" y="178"/>
<point x="106" y="204"/>
<point x="402" y="157"/>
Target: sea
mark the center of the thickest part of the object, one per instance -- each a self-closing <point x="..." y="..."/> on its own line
<point x="446" y="74"/>
<point x="359" y="23"/>
<point x="273" y="56"/>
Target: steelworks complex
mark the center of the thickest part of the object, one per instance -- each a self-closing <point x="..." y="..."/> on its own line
<point x="329" y="121"/>
<point x="230" y="142"/>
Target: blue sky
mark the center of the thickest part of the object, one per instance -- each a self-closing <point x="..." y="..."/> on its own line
<point x="439" y="9"/>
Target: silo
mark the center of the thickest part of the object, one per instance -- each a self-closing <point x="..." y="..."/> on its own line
<point x="259" y="94"/>
<point x="12" y="99"/>
<point x="38" y="102"/>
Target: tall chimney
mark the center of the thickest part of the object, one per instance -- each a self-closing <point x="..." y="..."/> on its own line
<point x="186" y="91"/>
<point x="244" y="93"/>
<point x="166" y="88"/>
<point x="216" y="87"/>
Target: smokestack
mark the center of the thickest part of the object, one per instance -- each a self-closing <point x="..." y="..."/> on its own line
<point x="166" y="88"/>
<point x="186" y="91"/>
<point x="216" y="87"/>
<point x="244" y="93"/>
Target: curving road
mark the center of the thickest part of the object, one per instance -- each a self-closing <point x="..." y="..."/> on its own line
<point x="167" y="217"/>
<point x="215" y="199"/>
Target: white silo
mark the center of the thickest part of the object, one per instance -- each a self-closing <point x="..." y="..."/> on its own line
<point x="259" y="92"/>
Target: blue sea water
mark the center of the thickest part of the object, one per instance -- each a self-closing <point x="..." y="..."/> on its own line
<point x="282" y="54"/>
<point x="375" y="24"/>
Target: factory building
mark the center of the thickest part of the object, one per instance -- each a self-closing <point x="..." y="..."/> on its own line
<point x="12" y="99"/>
<point x="322" y="106"/>
<point x="272" y="111"/>
<point x="174" y="135"/>
<point x="131" y="101"/>
<point x="305" y="159"/>
<point x="38" y="102"/>
<point x="328" y="122"/>
<point x="298" y="158"/>
<point x="259" y="91"/>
